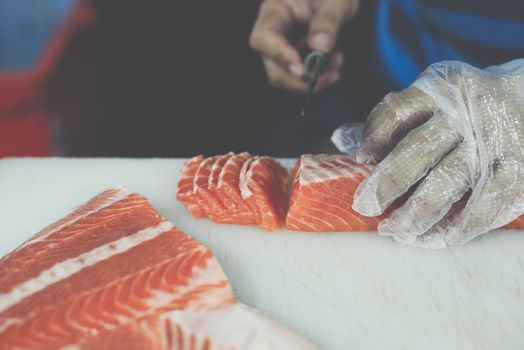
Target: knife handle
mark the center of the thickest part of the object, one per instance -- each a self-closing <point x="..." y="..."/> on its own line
<point x="311" y="61"/>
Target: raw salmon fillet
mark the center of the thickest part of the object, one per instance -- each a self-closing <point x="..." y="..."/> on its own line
<point x="263" y="185"/>
<point x="322" y="195"/>
<point x="237" y="188"/>
<point x="113" y="268"/>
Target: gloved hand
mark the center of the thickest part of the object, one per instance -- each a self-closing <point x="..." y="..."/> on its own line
<point x="270" y="36"/>
<point x="453" y="143"/>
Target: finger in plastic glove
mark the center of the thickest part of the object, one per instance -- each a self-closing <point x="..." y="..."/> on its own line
<point x="409" y="162"/>
<point x="445" y="184"/>
<point x="492" y="204"/>
<point x="391" y="120"/>
<point x="430" y="240"/>
<point x="435" y="237"/>
<point x="347" y="138"/>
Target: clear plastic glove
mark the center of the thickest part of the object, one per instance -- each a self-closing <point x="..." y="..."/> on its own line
<point x="457" y="134"/>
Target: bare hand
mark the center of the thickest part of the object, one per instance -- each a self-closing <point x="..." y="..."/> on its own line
<point x="282" y="61"/>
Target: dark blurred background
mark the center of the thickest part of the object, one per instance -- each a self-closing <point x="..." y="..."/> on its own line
<point x="175" y="78"/>
<point x="168" y="78"/>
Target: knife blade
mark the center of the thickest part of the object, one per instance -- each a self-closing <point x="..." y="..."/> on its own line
<point x="314" y="64"/>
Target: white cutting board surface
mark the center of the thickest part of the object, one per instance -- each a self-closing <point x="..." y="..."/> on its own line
<point x="342" y="291"/>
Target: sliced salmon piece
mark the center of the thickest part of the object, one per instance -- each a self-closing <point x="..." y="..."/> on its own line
<point x="228" y="190"/>
<point x="263" y="185"/>
<point x="217" y="183"/>
<point x="216" y="170"/>
<point x="245" y="193"/>
<point x="185" y="192"/>
<point x="115" y="274"/>
<point x="206" y="199"/>
<point x="214" y="176"/>
<point x="322" y="195"/>
<point x="229" y="327"/>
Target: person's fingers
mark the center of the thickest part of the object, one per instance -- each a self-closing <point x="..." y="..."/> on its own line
<point x="269" y="36"/>
<point x="276" y="47"/>
<point x="281" y="79"/>
<point x="327" y="80"/>
<point x="435" y="237"/>
<point x="326" y="22"/>
<point x="444" y="185"/>
<point x="391" y="120"/>
<point x="409" y="162"/>
<point x="336" y="61"/>
<point x="332" y="73"/>
<point x="492" y="203"/>
<point x="430" y="240"/>
<point x="301" y="10"/>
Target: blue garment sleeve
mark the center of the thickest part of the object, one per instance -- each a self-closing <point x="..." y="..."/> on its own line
<point x="412" y="34"/>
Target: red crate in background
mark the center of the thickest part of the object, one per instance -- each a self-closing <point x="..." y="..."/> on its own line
<point x="25" y="115"/>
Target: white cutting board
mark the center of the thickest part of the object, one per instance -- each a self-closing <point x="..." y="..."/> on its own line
<point x="342" y="291"/>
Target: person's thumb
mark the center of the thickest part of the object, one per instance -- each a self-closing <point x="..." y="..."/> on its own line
<point x="326" y="23"/>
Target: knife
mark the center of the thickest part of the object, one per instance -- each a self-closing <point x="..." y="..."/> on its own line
<point x="314" y="64"/>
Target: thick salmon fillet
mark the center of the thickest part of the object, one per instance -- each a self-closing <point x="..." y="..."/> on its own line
<point x="185" y="192"/>
<point x="115" y="274"/>
<point x="263" y="185"/>
<point x="322" y="195"/>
